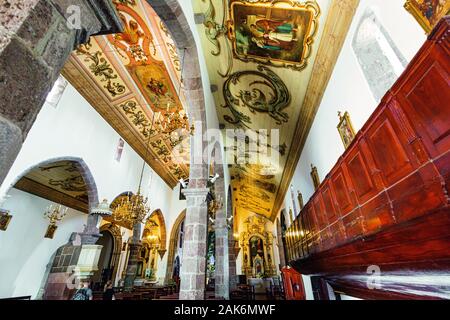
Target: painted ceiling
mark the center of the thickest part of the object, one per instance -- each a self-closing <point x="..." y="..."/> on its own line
<point x="133" y="80"/>
<point x="269" y="62"/>
<point x="60" y="182"/>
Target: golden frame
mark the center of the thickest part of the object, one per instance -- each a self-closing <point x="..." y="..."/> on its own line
<point x="50" y="231"/>
<point x="300" y="200"/>
<point x="309" y="6"/>
<point x="315" y="177"/>
<point x="5" y="219"/>
<point x="412" y="6"/>
<point x="345" y="129"/>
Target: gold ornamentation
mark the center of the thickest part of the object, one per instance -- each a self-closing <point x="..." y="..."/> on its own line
<point x="132" y="209"/>
<point x="162" y="150"/>
<point x="315" y="177"/>
<point x="270" y="33"/>
<point x="345" y="129"/>
<point x="428" y="13"/>
<point x="5" y="219"/>
<point x="54" y="213"/>
<point x="101" y="68"/>
<point x="300" y="200"/>
<point x="137" y="117"/>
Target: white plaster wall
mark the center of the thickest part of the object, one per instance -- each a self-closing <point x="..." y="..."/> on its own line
<point x="24" y="252"/>
<point x="349" y="91"/>
<point x="74" y="129"/>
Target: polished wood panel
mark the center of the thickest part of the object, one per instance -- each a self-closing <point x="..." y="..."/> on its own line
<point x="386" y="201"/>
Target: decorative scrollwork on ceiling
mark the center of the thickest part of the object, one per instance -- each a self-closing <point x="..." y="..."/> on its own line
<point x="268" y="95"/>
<point x="74" y="183"/>
<point x="215" y="30"/>
<point x="161" y="150"/>
<point x="101" y="68"/>
<point x="137" y="118"/>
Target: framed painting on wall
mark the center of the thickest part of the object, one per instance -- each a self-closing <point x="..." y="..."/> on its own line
<point x="300" y="200"/>
<point x="428" y="12"/>
<point x="315" y="177"/>
<point x="277" y="32"/>
<point x="345" y="129"/>
<point x="5" y="218"/>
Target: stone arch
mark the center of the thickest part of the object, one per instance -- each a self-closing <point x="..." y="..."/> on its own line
<point x="173" y="243"/>
<point x="82" y="168"/>
<point x="162" y="225"/>
<point x="117" y="236"/>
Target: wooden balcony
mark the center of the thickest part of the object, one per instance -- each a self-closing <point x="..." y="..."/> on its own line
<point x="386" y="201"/>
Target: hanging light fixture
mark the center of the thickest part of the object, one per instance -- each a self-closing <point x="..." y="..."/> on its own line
<point x="135" y="207"/>
<point x="54" y="213"/>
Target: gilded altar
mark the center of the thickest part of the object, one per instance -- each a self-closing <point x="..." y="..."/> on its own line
<point x="257" y="248"/>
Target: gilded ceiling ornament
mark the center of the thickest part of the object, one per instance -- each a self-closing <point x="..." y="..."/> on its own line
<point x="274" y="32"/>
<point x="214" y="30"/>
<point x="268" y="95"/>
<point x="101" y="68"/>
<point x="162" y="150"/>
<point x="137" y="117"/>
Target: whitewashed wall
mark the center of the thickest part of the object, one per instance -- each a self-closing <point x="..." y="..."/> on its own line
<point x="72" y="129"/>
<point x="348" y="91"/>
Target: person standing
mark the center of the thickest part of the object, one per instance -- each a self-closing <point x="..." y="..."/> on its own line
<point x="84" y="293"/>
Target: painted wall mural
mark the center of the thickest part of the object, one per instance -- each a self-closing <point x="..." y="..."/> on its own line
<point x="133" y="79"/>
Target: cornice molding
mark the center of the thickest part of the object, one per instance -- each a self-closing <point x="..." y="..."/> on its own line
<point x="336" y="28"/>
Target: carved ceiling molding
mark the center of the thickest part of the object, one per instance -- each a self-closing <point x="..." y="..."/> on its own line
<point x="338" y="23"/>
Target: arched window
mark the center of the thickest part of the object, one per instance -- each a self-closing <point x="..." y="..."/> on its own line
<point x="380" y="60"/>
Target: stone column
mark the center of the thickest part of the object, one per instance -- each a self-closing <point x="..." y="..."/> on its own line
<point x="193" y="264"/>
<point x="134" y="247"/>
<point x="232" y="261"/>
<point x="35" y="42"/>
<point x="222" y="278"/>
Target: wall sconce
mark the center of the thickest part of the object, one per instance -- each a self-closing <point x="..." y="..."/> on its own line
<point x="5" y="218"/>
<point x="54" y="213"/>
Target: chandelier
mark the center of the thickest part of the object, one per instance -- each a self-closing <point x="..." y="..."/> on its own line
<point x="174" y="125"/>
<point x="132" y="209"/>
<point x="54" y="213"/>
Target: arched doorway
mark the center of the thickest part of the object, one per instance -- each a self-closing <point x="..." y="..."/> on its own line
<point x="153" y="246"/>
<point x="48" y="187"/>
<point x="108" y="262"/>
<point x="175" y="249"/>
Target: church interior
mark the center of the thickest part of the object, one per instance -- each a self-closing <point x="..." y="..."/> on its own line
<point x="225" y="149"/>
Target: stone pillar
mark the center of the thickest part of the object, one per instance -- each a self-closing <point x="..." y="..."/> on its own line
<point x="222" y="285"/>
<point x="232" y="261"/>
<point x="280" y="245"/>
<point x="35" y="41"/>
<point x="134" y="248"/>
<point x="193" y="264"/>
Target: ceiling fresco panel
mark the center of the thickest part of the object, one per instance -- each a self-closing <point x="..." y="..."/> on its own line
<point x="261" y="54"/>
<point x="136" y="74"/>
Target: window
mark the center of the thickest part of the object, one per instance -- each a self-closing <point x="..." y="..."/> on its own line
<point x="380" y="60"/>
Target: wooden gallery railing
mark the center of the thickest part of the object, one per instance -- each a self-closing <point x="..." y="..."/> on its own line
<point x="397" y="168"/>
